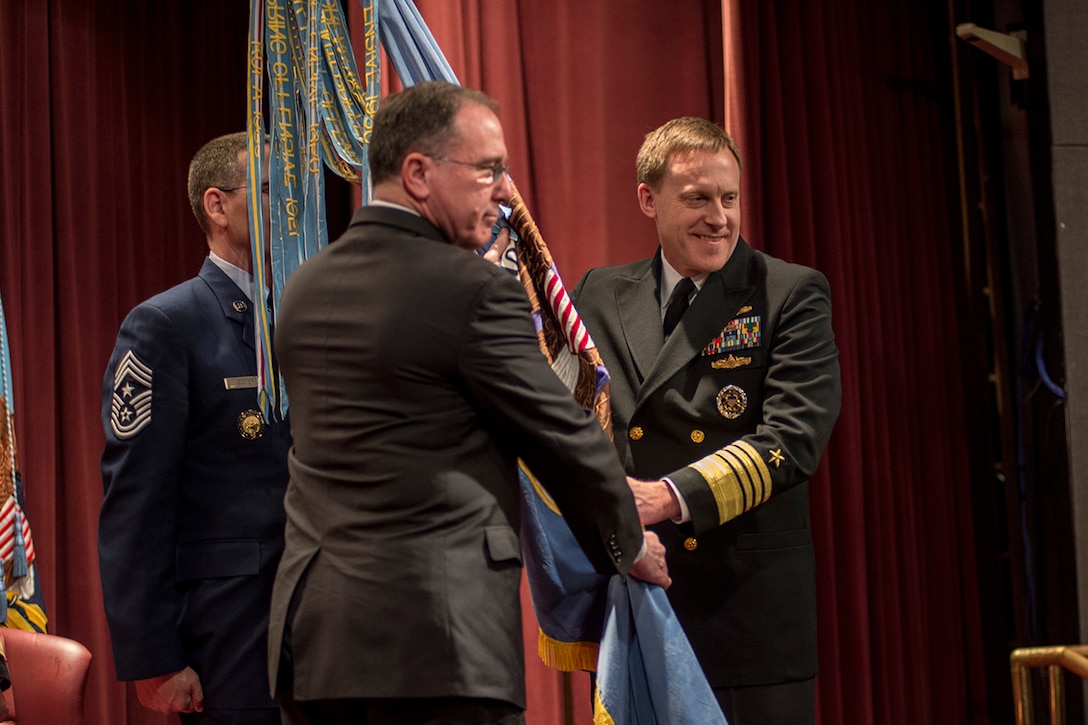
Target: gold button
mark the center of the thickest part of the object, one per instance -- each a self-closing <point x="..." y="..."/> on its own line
<point x="697" y="436"/>
<point x="691" y="544"/>
<point x="635" y="433"/>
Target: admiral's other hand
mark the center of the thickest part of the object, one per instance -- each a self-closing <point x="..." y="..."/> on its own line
<point x="655" y="500"/>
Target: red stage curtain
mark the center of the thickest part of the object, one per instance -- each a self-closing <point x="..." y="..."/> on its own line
<point x="843" y="111"/>
<point x="104" y="103"/>
<point x="844" y="122"/>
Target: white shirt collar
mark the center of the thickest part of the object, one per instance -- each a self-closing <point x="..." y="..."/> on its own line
<point x="239" y="276"/>
<point x="670" y="278"/>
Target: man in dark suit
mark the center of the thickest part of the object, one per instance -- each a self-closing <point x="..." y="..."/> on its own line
<point x="191" y="527"/>
<point x="415" y="382"/>
<point x="727" y="405"/>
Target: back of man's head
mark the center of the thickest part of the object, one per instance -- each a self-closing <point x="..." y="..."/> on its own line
<point x="215" y="165"/>
<point x="420" y="118"/>
<point x="679" y="135"/>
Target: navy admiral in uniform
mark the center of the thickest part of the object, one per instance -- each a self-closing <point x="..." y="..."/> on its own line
<point x="725" y="388"/>
<point x="191" y="527"/>
<point x="415" y="381"/>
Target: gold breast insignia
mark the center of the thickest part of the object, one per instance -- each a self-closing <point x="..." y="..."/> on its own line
<point x="732" y="402"/>
<point x="730" y="363"/>
<point x="251" y="424"/>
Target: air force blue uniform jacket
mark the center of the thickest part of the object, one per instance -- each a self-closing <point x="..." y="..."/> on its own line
<point x="191" y="527"/>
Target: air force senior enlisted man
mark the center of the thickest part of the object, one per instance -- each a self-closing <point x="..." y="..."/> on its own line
<point x="733" y="400"/>
<point x="191" y="528"/>
<point x="415" y="382"/>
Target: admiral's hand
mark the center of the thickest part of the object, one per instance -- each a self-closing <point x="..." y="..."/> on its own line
<point x="177" y="692"/>
<point x="655" y="500"/>
<point x="652" y="567"/>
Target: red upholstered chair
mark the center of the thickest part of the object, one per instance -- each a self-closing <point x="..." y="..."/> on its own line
<point x="48" y="677"/>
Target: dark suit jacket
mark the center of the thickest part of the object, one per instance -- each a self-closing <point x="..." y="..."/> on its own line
<point x="191" y="528"/>
<point x="415" y="381"/>
<point x="736" y="408"/>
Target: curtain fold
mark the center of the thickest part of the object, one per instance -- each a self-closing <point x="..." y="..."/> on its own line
<point x="842" y="111"/>
<point x="845" y="119"/>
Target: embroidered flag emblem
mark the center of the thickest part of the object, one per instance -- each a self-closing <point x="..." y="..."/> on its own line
<point x="740" y="333"/>
<point x="130" y="410"/>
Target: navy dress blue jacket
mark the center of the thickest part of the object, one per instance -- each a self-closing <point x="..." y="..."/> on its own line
<point x="736" y="408"/>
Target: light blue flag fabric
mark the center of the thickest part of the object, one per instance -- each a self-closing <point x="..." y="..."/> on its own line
<point x="569" y="596"/>
<point x="647" y="672"/>
<point x="411" y="48"/>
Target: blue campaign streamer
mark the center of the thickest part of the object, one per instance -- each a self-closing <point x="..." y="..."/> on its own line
<point x="5" y="377"/>
<point x="315" y="230"/>
<point x="5" y="393"/>
<point x="289" y="168"/>
<point x="320" y="115"/>
<point x="342" y="97"/>
<point x="304" y="102"/>
<point x="411" y="48"/>
<point x="266" y="390"/>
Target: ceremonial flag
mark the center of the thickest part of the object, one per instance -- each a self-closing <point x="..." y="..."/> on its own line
<point x="24" y="608"/>
<point x="321" y="112"/>
<point x="648" y="673"/>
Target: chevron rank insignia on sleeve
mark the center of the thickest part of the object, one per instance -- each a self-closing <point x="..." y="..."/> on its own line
<point x="130" y="410"/>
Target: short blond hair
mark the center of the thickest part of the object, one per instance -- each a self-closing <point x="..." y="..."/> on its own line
<point x="679" y="135"/>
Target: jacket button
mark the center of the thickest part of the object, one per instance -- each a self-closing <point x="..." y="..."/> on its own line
<point x="635" y="433"/>
<point x="691" y="544"/>
<point x="697" y="436"/>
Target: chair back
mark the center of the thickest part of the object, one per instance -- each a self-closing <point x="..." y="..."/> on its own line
<point x="48" y="677"/>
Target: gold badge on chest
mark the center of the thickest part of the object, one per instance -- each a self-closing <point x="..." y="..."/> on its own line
<point x="732" y="401"/>
<point x="251" y="424"/>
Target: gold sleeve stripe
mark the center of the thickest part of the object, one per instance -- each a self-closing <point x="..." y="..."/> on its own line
<point x="748" y="484"/>
<point x="738" y="479"/>
<point x="762" y="474"/>
<point x="724" y="485"/>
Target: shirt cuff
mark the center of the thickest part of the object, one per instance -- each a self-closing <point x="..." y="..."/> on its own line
<point x="641" y="551"/>
<point x="685" y="513"/>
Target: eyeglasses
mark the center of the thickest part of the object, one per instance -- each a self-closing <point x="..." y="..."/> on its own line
<point x="498" y="171"/>
<point x="228" y="189"/>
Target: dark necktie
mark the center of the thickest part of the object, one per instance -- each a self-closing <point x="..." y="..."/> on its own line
<point x="678" y="304"/>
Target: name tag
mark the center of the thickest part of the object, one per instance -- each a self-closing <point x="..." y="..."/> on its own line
<point x="240" y="383"/>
